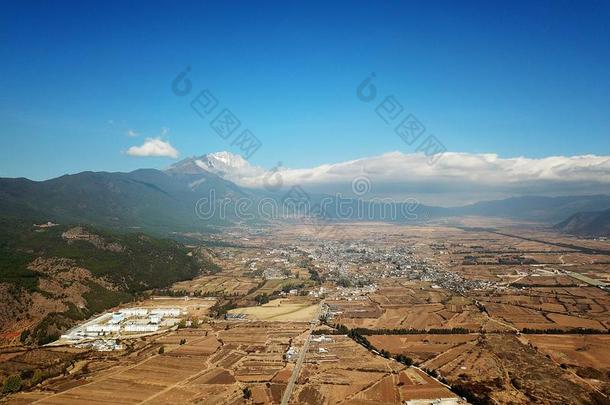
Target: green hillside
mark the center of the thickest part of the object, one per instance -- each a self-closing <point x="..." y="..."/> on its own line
<point x="120" y="265"/>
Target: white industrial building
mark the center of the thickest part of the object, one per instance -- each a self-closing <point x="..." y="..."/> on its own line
<point x="102" y="328"/>
<point x="95" y="333"/>
<point x="321" y="338"/>
<point x="117" y="317"/>
<point x="166" y="312"/>
<point x="135" y="327"/>
<point x="106" y="345"/>
<point x="134" y="312"/>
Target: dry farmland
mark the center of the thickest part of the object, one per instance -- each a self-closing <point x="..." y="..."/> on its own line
<point x="214" y="362"/>
<point x="346" y="372"/>
<point x="501" y="367"/>
<point x="588" y="355"/>
<point x="453" y="299"/>
<point x="299" y="309"/>
<point x="412" y="306"/>
<point x="421" y="347"/>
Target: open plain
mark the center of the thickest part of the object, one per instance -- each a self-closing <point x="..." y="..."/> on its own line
<point x="398" y="313"/>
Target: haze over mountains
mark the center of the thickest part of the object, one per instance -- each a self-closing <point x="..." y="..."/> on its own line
<point x="165" y="201"/>
<point x="587" y="224"/>
<point x="454" y="179"/>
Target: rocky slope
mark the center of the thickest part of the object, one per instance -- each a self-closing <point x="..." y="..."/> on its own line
<point x="52" y="277"/>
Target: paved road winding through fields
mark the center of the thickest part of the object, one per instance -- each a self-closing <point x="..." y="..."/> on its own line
<point x="297" y="367"/>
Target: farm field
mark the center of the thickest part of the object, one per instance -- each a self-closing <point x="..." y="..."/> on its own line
<point x="551" y="308"/>
<point x="404" y="287"/>
<point x="420" y="347"/>
<point x="413" y="306"/>
<point x="500" y="367"/>
<point x="575" y="350"/>
<point x="215" y="363"/>
<point x="346" y="372"/>
<point x="281" y="309"/>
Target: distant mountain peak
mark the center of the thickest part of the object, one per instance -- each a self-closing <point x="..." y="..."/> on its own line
<point x="220" y="163"/>
<point x="227" y="165"/>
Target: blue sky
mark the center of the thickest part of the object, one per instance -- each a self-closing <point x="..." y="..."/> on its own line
<point x="517" y="79"/>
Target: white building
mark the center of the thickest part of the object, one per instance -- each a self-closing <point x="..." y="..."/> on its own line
<point x="134" y="312"/>
<point x="74" y="336"/>
<point x="106" y="345"/>
<point x="117" y="317"/>
<point x="291" y="353"/>
<point x="166" y="312"/>
<point x="134" y="327"/>
<point x="102" y="328"/>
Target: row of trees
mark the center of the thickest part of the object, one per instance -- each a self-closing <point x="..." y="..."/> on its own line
<point x="572" y="331"/>
<point x="362" y="340"/>
<point x="405" y="331"/>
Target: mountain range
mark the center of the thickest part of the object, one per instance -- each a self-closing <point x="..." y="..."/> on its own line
<point x="164" y="201"/>
<point x="587" y="224"/>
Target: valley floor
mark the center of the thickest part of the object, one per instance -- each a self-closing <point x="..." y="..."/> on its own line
<point x="398" y="313"/>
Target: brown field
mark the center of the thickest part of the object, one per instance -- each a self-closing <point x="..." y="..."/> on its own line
<point x="551" y="308"/>
<point x="349" y="373"/>
<point x="418" y="385"/>
<point x="299" y="309"/>
<point x="413" y="306"/>
<point x="420" y="347"/>
<point x="514" y="284"/>
<point x="215" y="363"/>
<point x="520" y="317"/>
<point x="502" y="368"/>
<point x="577" y="350"/>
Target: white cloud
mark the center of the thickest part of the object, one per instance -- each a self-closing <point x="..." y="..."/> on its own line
<point x="132" y="133"/>
<point x="455" y="178"/>
<point x="154" y="147"/>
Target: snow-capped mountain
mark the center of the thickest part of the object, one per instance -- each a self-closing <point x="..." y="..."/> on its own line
<point x="224" y="164"/>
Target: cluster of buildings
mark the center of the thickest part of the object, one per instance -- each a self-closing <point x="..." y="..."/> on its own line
<point x="449" y="280"/>
<point x="274" y="274"/>
<point x="355" y="266"/>
<point x="103" y="345"/>
<point x="320" y="292"/>
<point x="102" y="329"/>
